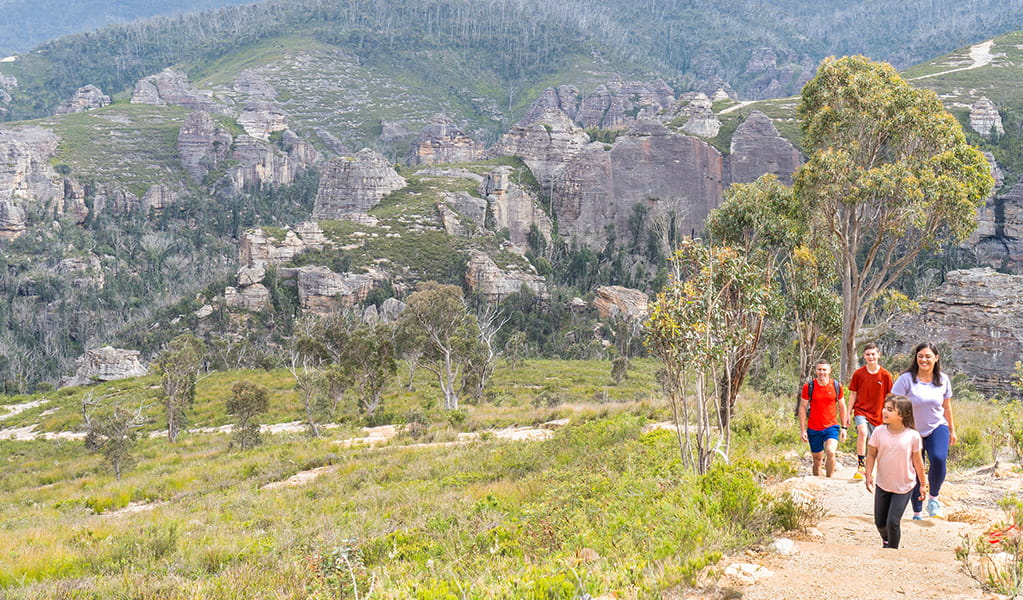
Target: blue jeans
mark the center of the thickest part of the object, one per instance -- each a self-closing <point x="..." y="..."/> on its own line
<point x="936" y="453"/>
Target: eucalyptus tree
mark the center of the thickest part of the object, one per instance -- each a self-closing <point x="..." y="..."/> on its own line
<point x="179" y="366"/>
<point x="889" y="174"/>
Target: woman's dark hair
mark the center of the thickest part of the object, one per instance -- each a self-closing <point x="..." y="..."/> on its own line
<point x="914" y="368"/>
<point x="903" y="406"/>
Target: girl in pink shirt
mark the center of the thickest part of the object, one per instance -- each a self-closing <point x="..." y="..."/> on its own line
<point x="895" y="448"/>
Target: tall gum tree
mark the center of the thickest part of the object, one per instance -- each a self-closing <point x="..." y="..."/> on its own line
<point x="889" y="174"/>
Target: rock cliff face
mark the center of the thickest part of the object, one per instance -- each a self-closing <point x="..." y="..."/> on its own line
<point x="513" y="208"/>
<point x="202" y="145"/>
<point x="443" y="142"/>
<point x="484" y="277"/>
<point x="619" y="104"/>
<point x="979" y="314"/>
<point x="563" y="98"/>
<point x="546" y="145"/>
<point x="984" y="118"/>
<point x="758" y="148"/>
<point x="774" y="74"/>
<point x="86" y="98"/>
<point x="26" y="177"/>
<point x="322" y="291"/>
<point x="668" y="174"/>
<point x="260" y="119"/>
<point x="257" y="249"/>
<point x="350" y="186"/>
<point x="998" y="240"/>
<point x="615" y="300"/>
<point x="259" y="164"/>
<point x="106" y="364"/>
<point x="171" y="86"/>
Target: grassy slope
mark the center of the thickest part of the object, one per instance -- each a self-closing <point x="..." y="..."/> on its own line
<point x="602" y="507"/>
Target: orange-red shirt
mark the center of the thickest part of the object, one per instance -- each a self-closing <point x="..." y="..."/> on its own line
<point x="871" y="390"/>
<point x="823" y="405"/>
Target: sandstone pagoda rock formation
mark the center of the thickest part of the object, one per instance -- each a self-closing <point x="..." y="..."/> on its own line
<point x="443" y="142"/>
<point x="351" y="185"/>
<point x="254" y="297"/>
<point x="546" y="145"/>
<point x="81" y="272"/>
<point x="702" y="124"/>
<point x="758" y="148"/>
<point x="462" y="214"/>
<point x="261" y="119"/>
<point x="487" y="279"/>
<point x="106" y="364"/>
<point x="202" y="145"/>
<point x="26" y="177"/>
<point x="513" y="207"/>
<point x="619" y="104"/>
<point x="171" y="86"/>
<point x="998" y="240"/>
<point x="984" y="118"/>
<point x="772" y="73"/>
<point x="615" y="300"/>
<point x="673" y="177"/>
<point x="257" y="164"/>
<point x="260" y="248"/>
<point x="564" y="98"/>
<point x="978" y="313"/>
<point x="322" y="291"/>
<point x="86" y="98"/>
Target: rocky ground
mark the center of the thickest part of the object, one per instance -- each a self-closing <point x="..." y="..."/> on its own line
<point x="842" y="556"/>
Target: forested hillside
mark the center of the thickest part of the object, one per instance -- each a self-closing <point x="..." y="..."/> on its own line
<point x="695" y="43"/>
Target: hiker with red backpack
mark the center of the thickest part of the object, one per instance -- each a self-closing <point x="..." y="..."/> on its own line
<point x="823" y="417"/>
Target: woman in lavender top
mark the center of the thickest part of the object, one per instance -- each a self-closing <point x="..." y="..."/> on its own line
<point x="930" y="390"/>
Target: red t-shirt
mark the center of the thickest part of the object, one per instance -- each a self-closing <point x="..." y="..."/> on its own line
<point x="823" y="405"/>
<point x="871" y="390"/>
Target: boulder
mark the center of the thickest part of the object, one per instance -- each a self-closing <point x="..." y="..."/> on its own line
<point x="978" y="314"/>
<point x="487" y="279"/>
<point x="443" y="142"/>
<point x="351" y="185"/>
<point x="984" y="118"/>
<point x="12" y="220"/>
<point x="676" y="178"/>
<point x="390" y="310"/>
<point x="513" y="207"/>
<point x="757" y="148"/>
<point x="615" y="300"/>
<point x="202" y="145"/>
<point x="86" y="98"/>
<point x="106" y="364"/>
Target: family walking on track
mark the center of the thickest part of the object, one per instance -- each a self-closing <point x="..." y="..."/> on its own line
<point x="899" y="425"/>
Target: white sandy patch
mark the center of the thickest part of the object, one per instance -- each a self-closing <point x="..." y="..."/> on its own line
<point x="17" y="409"/>
<point x="980" y="56"/>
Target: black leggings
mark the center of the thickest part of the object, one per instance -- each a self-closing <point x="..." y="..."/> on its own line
<point x="888" y="511"/>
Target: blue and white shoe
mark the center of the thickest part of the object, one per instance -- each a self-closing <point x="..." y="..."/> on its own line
<point x="934" y="509"/>
<point x="917" y="518"/>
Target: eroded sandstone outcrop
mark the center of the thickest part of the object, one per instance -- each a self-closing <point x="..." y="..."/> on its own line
<point x="26" y="176"/>
<point x="619" y="104"/>
<point x="86" y="98"/>
<point x="984" y="118"/>
<point x="322" y="291"/>
<point x="260" y="249"/>
<point x="998" y="240"/>
<point x="773" y="73"/>
<point x="487" y="279"/>
<point x="202" y="145"/>
<point x="757" y="148"/>
<point x="513" y="207"/>
<point x="260" y="119"/>
<point x="171" y="86"/>
<point x="673" y="176"/>
<point x="351" y="185"/>
<point x="106" y="364"/>
<point x="258" y="163"/>
<point x="978" y="313"/>
<point x="444" y="142"/>
<point x="546" y="144"/>
<point x="81" y="272"/>
<point x="615" y="300"/>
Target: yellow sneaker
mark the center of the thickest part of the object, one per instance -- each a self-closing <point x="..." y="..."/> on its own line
<point x="861" y="472"/>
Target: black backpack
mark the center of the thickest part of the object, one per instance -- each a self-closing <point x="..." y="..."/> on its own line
<point x="809" y="395"/>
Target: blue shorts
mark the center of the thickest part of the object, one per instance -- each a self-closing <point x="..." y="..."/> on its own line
<point x="861" y="420"/>
<point x="818" y="436"/>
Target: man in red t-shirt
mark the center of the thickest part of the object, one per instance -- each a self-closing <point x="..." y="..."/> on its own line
<point x="868" y="388"/>
<point x="822" y="427"/>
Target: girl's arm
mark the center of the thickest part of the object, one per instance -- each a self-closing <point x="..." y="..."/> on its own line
<point x="871" y="459"/>
<point x="947" y="406"/>
<point x="918" y="466"/>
